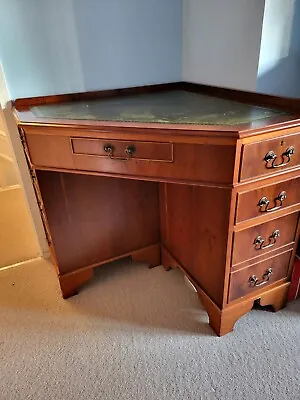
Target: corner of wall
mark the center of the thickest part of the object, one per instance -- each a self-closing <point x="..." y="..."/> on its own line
<point x="22" y="170"/>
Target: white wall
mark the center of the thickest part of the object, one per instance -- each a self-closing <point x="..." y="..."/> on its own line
<point x="20" y="217"/>
<point x="279" y="60"/>
<point x="221" y="42"/>
<point x="60" y="46"/>
<point x="18" y="236"/>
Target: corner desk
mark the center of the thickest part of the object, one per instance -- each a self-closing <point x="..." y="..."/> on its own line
<point x="197" y="177"/>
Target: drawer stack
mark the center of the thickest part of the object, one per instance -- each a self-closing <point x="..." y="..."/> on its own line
<point x="267" y="215"/>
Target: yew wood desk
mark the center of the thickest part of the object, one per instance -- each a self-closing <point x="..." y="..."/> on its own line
<point x="183" y="175"/>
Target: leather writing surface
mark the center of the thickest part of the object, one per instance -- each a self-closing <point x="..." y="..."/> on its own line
<point x="176" y="107"/>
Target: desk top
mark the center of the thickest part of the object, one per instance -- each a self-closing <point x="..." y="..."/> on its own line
<point x="171" y="107"/>
<point x="176" y="106"/>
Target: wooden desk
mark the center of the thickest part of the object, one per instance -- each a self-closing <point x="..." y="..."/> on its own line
<point x="189" y="176"/>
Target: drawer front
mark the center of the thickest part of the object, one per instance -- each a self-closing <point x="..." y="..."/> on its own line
<point x="258" y="276"/>
<point x="189" y="162"/>
<point x="157" y="160"/>
<point x="119" y="150"/>
<point x="261" y="239"/>
<point x="270" y="156"/>
<point x="268" y="199"/>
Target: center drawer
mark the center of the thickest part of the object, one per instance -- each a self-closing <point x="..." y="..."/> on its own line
<point x="258" y="240"/>
<point x="119" y="149"/>
<point x="155" y="160"/>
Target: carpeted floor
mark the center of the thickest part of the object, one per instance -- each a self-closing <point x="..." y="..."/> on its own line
<point x="136" y="333"/>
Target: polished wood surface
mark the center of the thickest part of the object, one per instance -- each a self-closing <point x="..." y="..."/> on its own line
<point x="261" y="239"/>
<point x="120" y="149"/>
<point x="71" y="283"/>
<point x="240" y="283"/>
<point x="253" y="160"/>
<point x="248" y="202"/>
<point x="179" y="161"/>
<point x="163" y="191"/>
<point x="50" y="151"/>
<point x="195" y="232"/>
<point x="93" y="219"/>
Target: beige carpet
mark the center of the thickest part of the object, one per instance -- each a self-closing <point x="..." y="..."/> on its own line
<point x="136" y="333"/>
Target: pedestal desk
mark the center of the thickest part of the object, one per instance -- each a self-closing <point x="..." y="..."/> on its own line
<point x="183" y="175"/>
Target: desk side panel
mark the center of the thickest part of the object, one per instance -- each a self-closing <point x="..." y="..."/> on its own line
<point x="194" y="229"/>
<point x="93" y="219"/>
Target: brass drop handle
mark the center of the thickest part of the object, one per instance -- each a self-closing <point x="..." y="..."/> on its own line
<point x="259" y="241"/>
<point x="264" y="203"/>
<point x="130" y="150"/>
<point x="271" y="157"/>
<point x="254" y="282"/>
<point x="108" y="148"/>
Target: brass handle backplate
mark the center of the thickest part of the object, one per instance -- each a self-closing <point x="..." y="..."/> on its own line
<point x="259" y="241"/>
<point x="109" y="149"/>
<point x="271" y="157"/>
<point x="130" y="150"/>
<point x="264" y="203"/>
<point x="254" y="282"/>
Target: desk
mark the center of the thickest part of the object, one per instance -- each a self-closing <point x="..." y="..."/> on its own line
<point x="183" y="175"/>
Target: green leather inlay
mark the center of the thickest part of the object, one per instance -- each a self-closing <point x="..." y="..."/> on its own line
<point x="174" y="107"/>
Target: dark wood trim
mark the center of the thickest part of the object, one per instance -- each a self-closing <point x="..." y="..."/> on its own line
<point x="265" y="100"/>
<point x="25" y="103"/>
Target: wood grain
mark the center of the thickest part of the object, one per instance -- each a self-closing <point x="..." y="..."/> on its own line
<point x="244" y="247"/>
<point x="189" y="199"/>
<point x="276" y="297"/>
<point x="69" y="284"/>
<point x="208" y="163"/>
<point x="197" y="223"/>
<point x="151" y="151"/>
<point x="93" y="219"/>
<point x="239" y="280"/>
<point x="248" y="208"/>
<point x="50" y="151"/>
<point x="191" y="162"/>
<point x="253" y="163"/>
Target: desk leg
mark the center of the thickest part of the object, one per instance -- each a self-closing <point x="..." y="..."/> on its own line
<point x="70" y="283"/>
<point x="223" y="321"/>
<point x="167" y="260"/>
<point x="276" y="297"/>
<point x="149" y="255"/>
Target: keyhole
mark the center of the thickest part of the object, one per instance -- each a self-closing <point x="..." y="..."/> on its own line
<point x="281" y="143"/>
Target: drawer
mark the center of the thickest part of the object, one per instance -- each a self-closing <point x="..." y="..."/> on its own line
<point x="270" y="156"/>
<point x="119" y="149"/>
<point x="267" y="199"/>
<point x="189" y="162"/>
<point x="260" y="239"/>
<point x="142" y="159"/>
<point x="257" y="276"/>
